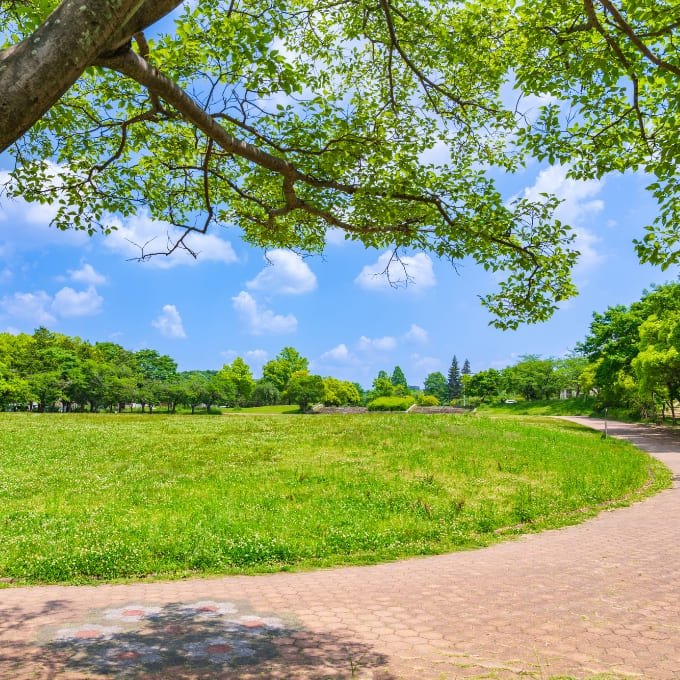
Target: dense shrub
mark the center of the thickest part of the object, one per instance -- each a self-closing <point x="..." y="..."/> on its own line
<point x="391" y="403"/>
<point x="428" y="400"/>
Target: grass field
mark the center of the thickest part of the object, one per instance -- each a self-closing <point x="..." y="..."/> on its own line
<point x="110" y="497"/>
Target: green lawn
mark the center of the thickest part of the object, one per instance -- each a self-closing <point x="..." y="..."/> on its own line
<point x="578" y="406"/>
<point x="108" y="497"/>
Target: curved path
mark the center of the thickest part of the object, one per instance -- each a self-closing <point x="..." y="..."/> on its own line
<point x="599" y="598"/>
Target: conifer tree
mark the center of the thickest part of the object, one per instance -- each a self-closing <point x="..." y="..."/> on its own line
<point x="398" y="377"/>
<point x="466" y="368"/>
<point x="454" y="383"/>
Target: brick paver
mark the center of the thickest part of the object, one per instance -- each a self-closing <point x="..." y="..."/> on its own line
<point x="599" y="598"/>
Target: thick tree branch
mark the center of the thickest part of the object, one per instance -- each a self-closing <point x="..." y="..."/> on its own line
<point x="628" y="31"/>
<point x="37" y="71"/>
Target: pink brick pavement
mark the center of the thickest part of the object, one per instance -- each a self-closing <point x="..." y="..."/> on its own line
<point x="601" y="597"/>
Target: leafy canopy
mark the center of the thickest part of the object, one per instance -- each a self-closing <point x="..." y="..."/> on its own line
<point x="288" y="118"/>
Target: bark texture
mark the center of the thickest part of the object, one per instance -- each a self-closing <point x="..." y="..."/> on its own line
<point x="36" y="72"/>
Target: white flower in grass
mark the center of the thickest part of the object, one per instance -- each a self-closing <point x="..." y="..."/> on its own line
<point x="133" y="612"/>
<point x="218" y="649"/>
<point x="86" y="633"/>
<point x="208" y="609"/>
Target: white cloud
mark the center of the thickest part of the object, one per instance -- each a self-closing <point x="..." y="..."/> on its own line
<point x="287" y="274"/>
<point x="255" y="358"/>
<point x="262" y="321"/>
<point x="41" y="308"/>
<point x="335" y="237"/>
<point x="31" y="307"/>
<point x="169" y="323"/>
<point x="413" y="273"/>
<point x="416" y="334"/>
<point x="141" y="232"/>
<point x="575" y="194"/>
<point x="87" y="274"/>
<point x="259" y="355"/>
<point x="426" y="365"/>
<point x="339" y="353"/>
<point x="68" y="302"/>
<point x="35" y="231"/>
<point x="229" y="355"/>
<point x="578" y="204"/>
<point x="382" y="344"/>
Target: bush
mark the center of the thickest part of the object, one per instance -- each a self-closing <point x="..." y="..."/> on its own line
<point x="429" y="400"/>
<point x="391" y="403"/>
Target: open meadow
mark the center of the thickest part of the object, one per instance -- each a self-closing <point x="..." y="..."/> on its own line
<point x="107" y="497"/>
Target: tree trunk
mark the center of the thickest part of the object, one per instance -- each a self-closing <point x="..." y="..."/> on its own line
<point x="36" y="72"/>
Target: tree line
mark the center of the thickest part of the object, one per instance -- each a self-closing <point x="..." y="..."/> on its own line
<point x="630" y="358"/>
<point x="49" y="371"/>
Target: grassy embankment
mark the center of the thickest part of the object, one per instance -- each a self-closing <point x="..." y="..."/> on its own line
<point x="106" y="497"/>
<point x="578" y="406"/>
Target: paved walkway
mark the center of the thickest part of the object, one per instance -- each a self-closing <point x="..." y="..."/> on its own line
<point x="601" y="597"/>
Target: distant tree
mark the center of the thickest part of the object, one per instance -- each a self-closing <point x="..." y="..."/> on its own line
<point x="193" y="389"/>
<point x="361" y="392"/>
<point x="305" y="389"/>
<point x="435" y="385"/>
<point x="486" y="384"/>
<point x="279" y="370"/>
<point x="265" y="393"/>
<point x="13" y="389"/>
<point x="657" y="365"/>
<point x="398" y="377"/>
<point x="339" y="393"/>
<point x="533" y="378"/>
<point x="382" y="386"/>
<point x="569" y="372"/>
<point x="238" y="373"/>
<point x="154" y="366"/>
<point x="455" y="386"/>
<point x="466" y="368"/>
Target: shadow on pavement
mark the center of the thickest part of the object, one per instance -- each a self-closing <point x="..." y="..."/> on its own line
<point x="216" y="639"/>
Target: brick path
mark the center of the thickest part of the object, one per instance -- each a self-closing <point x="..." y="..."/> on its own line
<point x="601" y="597"/>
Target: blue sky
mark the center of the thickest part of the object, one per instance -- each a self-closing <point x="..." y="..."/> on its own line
<point x="333" y="309"/>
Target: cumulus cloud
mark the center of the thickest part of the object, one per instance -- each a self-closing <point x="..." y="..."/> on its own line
<point x="425" y="365"/>
<point x="416" y="334"/>
<point x="41" y="308"/>
<point x="262" y="321"/>
<point x="32" y="307"/>
<point x="141" y="231"/>
<point x="578" y="205"/>
<point x="68" y="302"/>
<point x="287" y="273"/>
<point x="169" y="323"/>
<point x="35" y="231"/>
<point x="414" y="273"/>
<point x="339" y="354"/>
<point x="335" y="236"/>
<point x="87" y="274"/>
<point x="381" y="344"/>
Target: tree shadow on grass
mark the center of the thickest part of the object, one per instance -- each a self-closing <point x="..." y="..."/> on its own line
<point x="200" y="640"/>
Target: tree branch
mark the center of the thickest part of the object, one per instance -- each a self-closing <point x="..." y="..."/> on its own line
<point x="628" y="31"/>
<point x="37" y="71"/>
